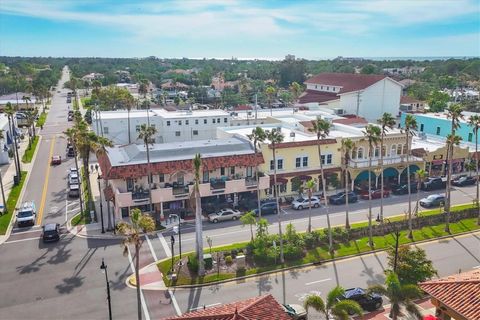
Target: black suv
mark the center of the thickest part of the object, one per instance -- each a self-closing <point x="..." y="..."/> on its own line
<point x="51" y="232"/>
<point x="368" y="301"/>
<point x="267" y="208"/>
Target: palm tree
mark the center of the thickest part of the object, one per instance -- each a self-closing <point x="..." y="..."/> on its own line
<point x="310" y="185"/>
<point x="421" y="176"/>
<point x="347" y="146"/>
<point x="10" y="112"/>
<point x="399" y="295"/>
<point x="321" y="128"/>
<point x="143" y="88"/>
<point x="454" y="112"/>
<point x="1" y="181"/>
<point x="257" y="136"/>
<point x="197" y="163"/>
<point x="71" y="134"/>
<point x="140" y="223"/>
<point x="474" y="121"/>
<point x="146" y="134"/>
<point x="249" y="219"/>
<point x="409" y="128"/>
<point x="296" y="89"/>
<point x="372" y="133"/>
<point x="129" y="103"/>
<point x="387" y="122"/>
<point x="275" y="137"/>
<point x="334" y="306"/>
<point x="96" y="87"/>
<point x="452" y="140"/>
<point x="270" y="92"/>
<point x="27" y="100"/>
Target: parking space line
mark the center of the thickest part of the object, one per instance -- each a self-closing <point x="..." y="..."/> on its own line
<point x="318" y="281"/>
<point x="151" y="248"/>
<point x="164" y="245"/>
<point x="22" y="240"/>
<point x="142" y="298"/>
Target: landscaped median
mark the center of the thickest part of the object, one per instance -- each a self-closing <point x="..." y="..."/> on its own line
<point x="11" y="204"/>
<point x="41" y="119"/>
<point x="30" y="151"/>
<point x="261" y="255"/>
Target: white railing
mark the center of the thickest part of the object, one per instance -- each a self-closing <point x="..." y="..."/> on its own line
<point x="364" y="163"/>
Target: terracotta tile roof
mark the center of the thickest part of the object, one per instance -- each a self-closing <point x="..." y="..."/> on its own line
<point x="242" y="108"/>
<point x="317" y="96"/>
<point x="409" y="100"/>
<point x="348" y="81"/>
<point x="307" y="124"/>
<point x="263" y="307"/>
<point x="351" y="120"/>
<point x="284" y="145"/>
<point x="460" y="292"/>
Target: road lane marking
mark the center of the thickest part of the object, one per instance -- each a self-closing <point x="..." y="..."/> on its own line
<point x="151" y="248"/>
<point x="476" y="267"/>
<point x="27" y="231"/>
<point x="164" y="245"/>
<point x="22" y="240"/>
<point x="45" y="185"/>
<point x="205" y="306"/>
<point x="142" y="298"/>
<point x="318" y="281"/>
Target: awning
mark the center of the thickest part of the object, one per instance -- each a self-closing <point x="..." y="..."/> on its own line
<point x="437" y="162"/>
<point x="279" y="180"/>
<point x="304" y="177"/>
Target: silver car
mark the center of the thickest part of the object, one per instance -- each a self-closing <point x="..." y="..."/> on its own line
<point x="224" y="215"/>
<point x="304" y="202"/>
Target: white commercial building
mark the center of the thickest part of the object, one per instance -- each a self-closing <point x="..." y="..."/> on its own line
<point x="172" y="126"/>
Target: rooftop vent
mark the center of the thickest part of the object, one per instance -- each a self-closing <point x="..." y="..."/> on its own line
<point x="292" y="134"/>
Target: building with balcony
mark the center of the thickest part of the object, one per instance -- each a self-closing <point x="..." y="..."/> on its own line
<point x="228" y="175"/>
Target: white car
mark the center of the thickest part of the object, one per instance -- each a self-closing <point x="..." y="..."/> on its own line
<point x="73" y="178"/>
<point x="303" y="203"/>
<point x="224" y="215"/>
<point x="27" y="214"/>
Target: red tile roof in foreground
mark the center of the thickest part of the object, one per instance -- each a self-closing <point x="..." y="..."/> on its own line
<point x="351" y="120"/>
<point x="317" y="96"/>
<point x="263" y="307"/>
<point x="459" y="292"/>
<point x="348" y="81"/>
<point x="409" y="100"/>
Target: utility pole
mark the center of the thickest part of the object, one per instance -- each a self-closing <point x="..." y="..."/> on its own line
<point x="358" y="102"/>
<point x="103" y="267"/>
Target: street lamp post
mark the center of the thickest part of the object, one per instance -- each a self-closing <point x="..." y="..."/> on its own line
<point x="103" y="267"/>
<point x="101" y="204"/>
<point x="172" y="241"/>
<point x="396" y="234"/>
<point x="178" y="230"/>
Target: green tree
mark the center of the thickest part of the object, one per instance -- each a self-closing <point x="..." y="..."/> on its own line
<point x="409" y="128"/>
<point x="310" y="186"/>
<point x="387" y="122"/>
<point x="2" y="137"/>
<point x="146" y="134"/>
<point x="256" y="137"/>
<point x="322" y="128"/>
<point x="275" y="137"/>
<point x="438" y="101"/>
<point x="347" y="146"/>
<point x="413" y="266"/>
<point x="296" y="89"/>
<point x="10" y="112"/>
<point x="369" y="69"/>
<point x="372" y="133"/>
<point x="270" y="93"/>
<point x="197" y="163"/>
<point x="132" y="232"/>
<point x="474" y="122"/>
<point x="249" y="219"/>
<point x="335" y="305"/>
<point x="399" y="295"/>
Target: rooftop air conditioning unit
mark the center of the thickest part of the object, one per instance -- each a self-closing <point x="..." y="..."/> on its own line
<point x="279" y="129"/>
<point x="292" y="134"/>
<point x="339" y="111"/>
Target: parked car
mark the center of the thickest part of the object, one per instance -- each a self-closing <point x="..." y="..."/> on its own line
<point x="376" y="194"/>
<point x="340" y="198"/>
<point x="295" y="311"/>
<point x="70" y="152"/>
<point x="73" y="178"/>
<point x="434" y="183"/>
<point x="73" y="170"/>
<point x="403" y="188"/>
<point x="304" y="202"/>
<point x="368" y="301"/>
<point x="464" y="181"/>
<point x="70" y="112"/>
<point x="51" y="232"/>
<point x="56" y="160"/>
<point x="224" y="215"/>
<point x="70" y="117"/>
<point x="267" y="208"/>
<point x="433" y="200"/>
<point x="74" y="191"/>
<point x="27" y="214"/>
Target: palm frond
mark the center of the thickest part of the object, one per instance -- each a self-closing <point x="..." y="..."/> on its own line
<point x="413" y="309"/>
<point x="315" y="302"/>
<point x="333" y="296"/>
<point x="347" y="307"/>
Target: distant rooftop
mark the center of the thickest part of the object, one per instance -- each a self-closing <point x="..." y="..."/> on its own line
<point x="123" y="114"/>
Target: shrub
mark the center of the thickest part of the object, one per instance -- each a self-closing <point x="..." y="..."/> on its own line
<point x="311" y="239"/>
<point x="228" y="260"/>
<point x="340" y="234"/>
<point x="265" y="256"/>
<point x="208" y="262"/>
<point x="234" y="253"/>
<point x="292" y="252"/>
<point x="192" y="264"/>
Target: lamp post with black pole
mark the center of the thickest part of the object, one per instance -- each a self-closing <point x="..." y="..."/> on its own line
<point x="172" y="241"/>
<point x="103" y="267"/>
<point x="396" y="235"/>
<point x="101" y="204"/>
<point x="178" y="230"/>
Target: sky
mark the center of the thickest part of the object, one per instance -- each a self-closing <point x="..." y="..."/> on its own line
<point x="261" y="29"/>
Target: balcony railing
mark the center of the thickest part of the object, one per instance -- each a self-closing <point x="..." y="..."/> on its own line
<point x="364" y="163"/>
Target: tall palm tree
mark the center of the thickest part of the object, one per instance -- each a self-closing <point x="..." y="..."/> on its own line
<point x="421" y="176"/>
<point x="347" y="146"/>
<point x="140" y="223"/>
<point x="197" y="163"/>
<point x="452" y="140"/>
<point x="270" y="92"/>
<point x="321" y="128"/>
<point x="310" y="185"/>
<point x="372" y="133"/>
<point x="335" y="305"/>
<point x="454" y="112"/>
<point x="474" y="121"/>
<point x="1" y="182"/>
<point x="275" y="137"/>
<point x="387" y="122"/>
<point x="409" y="129"/>
<point x="96" y="87"/>
<point x="10" y="112"/>
<point x="257" y="136"/>
<point x="146" y="134"/>
<point x="27" y="100"/>
<point x="71" y="134"/>
<point x="296" y="89"/>
<point x="399" y="295"/>
<point x="129" y="103"/>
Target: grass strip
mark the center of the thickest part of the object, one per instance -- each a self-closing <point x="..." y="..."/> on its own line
<point x="41" y="119"/>
<point x="81" y="219"/>
<point x="11" y="204"/>
<point x="28" y="155"/>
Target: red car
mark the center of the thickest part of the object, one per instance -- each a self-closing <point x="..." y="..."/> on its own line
<point x="376" y="194"/>
<point x="56" y="160"/>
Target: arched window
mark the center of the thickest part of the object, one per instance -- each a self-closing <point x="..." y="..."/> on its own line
<point x="360" y="153"/>
<point x="384" y="151"/>
<point x="377" y="152"/>
<point x="393" y="150"/>
<point x="354" y="153"/>
<point x="399" y="149"/>
<point x="405" y="149"/>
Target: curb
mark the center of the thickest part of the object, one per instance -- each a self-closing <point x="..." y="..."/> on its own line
<point x="307" y="264"/>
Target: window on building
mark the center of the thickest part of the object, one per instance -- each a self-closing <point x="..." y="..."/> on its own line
<point x="354" y="153"/>
<point x="137" y="128"/>
<point x="186" y="122"/>
<point x="470" y="137"/>
<point x="333" y="89"/>
<point x="129" y="183"/>
<point x="321" y="88"/>
<point x="360" y="153"/>
<point x="195" y="132"/>
<point x="298" y="162"/>
<point x="272" y="165"/>
<point x="105" y="130"/>
<point x="305" y="161"/>
<point x="196" y="121"/>
<point x="384" y="151"/>
<point x="205" y="176"/>
<point x="249" y="171"/>
<point x="438" y="131"/>
<point x="213" y="120"/>
<point x="280" y="164"/>
<point x="168" y="123"/>
<point x="222" y="171"/>
<point x="204" y="121"/>
<point x="376" y="153"/>
<point x="421" y="127"/>
<point x="316" y="87"/>
<point x="232" y="170"/>
<point x="404" y="149"/>
<point x="180" y="178"/>
<point x="179" y="122"/>
<point x="328" y="88"/>
<point x="161" y="177"/>
<point x="218" y="120"/>
<point x="393" y="150"/>
<point x="225" y="120"/>
<point x="399" y="149"/>
<point x="329" y="159"/>
<point x="177" y="133"/>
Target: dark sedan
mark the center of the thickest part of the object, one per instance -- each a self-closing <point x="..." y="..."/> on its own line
<point x="464" y="181"/>
<point x="403" y="189"/>
<point x="51" y="232"/>
<point x="340" y="198"/>
<point x="368" y="301"/>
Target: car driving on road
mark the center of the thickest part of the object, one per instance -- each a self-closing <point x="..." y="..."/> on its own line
<point x="74" y="191"/>
<point x="340" y="198"/>
<point x="27" y="214"/>
<point x="224" y="215"/>
<point x="56" y="160"/>
<point x="433" y="200"/>
<point x="303" y="203"/>
<point x="368" y="301"/>
<point x="464" y="181"/>
<point x="73" y="178"/>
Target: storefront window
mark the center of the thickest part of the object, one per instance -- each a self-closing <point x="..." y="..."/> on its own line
<point x="399" y="149"/>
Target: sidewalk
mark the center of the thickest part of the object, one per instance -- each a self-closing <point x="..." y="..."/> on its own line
<point x="425" y="305"/>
